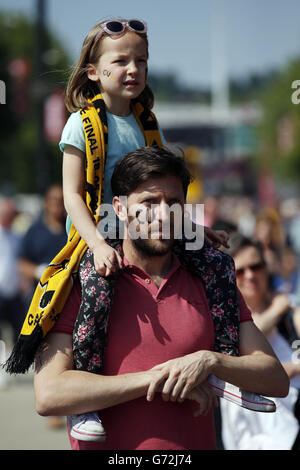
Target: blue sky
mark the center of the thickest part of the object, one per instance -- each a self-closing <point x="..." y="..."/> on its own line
<point x="256" y="35"/>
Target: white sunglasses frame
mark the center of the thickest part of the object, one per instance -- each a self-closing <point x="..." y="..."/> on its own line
<point x="124" y="24"/>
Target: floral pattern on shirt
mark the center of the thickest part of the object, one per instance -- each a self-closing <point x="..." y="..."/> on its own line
<point x="217" y="273"/>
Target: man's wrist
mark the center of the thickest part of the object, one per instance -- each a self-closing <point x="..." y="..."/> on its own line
<point x="212" y="361"/>
<point x="208" y="361"/>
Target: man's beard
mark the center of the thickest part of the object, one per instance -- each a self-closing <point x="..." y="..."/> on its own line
<point x="152" y="244"/>
<point x="150" y="247"/>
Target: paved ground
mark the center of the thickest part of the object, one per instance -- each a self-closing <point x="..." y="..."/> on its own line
<point x="21" y="427"/>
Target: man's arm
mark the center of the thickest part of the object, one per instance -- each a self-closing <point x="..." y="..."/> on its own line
<point x="256" y="370"/>
<point x="60" y="390"/>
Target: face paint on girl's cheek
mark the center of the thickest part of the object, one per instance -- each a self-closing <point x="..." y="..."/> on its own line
<point x="109" y="74"/>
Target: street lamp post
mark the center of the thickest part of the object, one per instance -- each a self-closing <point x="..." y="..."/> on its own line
<point x="42" y="163"/>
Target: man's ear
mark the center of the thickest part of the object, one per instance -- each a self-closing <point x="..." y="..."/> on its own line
<point x="120" y="207"/>
<point x="92" y="73"/>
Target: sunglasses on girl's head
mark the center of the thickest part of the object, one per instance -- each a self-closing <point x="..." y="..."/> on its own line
<point x="117" y="27"/>
<point x="253" y="267"/>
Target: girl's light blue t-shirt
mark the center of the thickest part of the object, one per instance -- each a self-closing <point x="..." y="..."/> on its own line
<point x="124" y="136"/>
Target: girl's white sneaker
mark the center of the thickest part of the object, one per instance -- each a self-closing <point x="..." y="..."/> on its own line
<point x="86" y="427"/>
<point x="249" y="400"/>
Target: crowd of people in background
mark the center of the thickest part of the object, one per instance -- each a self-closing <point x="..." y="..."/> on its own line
<point x="265" y="244"/>
<point x="26" y="249"/>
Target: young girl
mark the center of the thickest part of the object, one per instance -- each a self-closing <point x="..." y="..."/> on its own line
<point x="114" y="63"/>
<point x="110" y="103"/>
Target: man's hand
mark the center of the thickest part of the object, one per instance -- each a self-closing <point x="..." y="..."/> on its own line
<point x="204" y="395"/>
<point x="181" y="375"/>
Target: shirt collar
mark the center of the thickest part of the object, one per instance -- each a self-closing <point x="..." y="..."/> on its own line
<point x="129" y="267"/>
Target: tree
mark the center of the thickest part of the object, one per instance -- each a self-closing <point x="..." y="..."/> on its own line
<point x="18" y="116"/>
<point x="281" y="125"/>
<point x="166" y="88"/>
<point x="249" y="88"/>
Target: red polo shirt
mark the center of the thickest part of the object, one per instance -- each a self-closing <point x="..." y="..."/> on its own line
<point x="147" y="326"/>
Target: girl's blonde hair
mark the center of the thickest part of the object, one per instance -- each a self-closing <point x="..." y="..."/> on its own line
<point x="80" y="87"/>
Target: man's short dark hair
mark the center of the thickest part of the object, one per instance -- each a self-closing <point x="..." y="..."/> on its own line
<point x="144" y="163"/>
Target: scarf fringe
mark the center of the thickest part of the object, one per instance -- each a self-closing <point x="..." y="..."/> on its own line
<point x="23" y="353"/>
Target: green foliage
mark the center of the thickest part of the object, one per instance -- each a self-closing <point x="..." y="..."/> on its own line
<point x="280" y="128"/>
<point x="250" y="88"/>
<point x="19" y="117"/>
<point x="166" y="88"/>
<point x="19" y="163"/>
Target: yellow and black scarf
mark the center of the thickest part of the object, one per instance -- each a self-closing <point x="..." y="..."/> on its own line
<point x="57" y="280"/>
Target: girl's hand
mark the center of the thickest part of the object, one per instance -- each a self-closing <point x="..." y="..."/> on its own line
<point x="106" y="259"/>
<point x="216" y="238"/>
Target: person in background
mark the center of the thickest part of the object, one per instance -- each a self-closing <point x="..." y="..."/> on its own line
<point x="12" y="308"/>
<point x="280" y="254"/>
<point x="44" y="238"/>
<point x="269" y="232"/>
<point x="287" y="279"/>
<point x="293" y="233"/>
<point x="222" y="224"/>
<point x="274" y="316"/>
